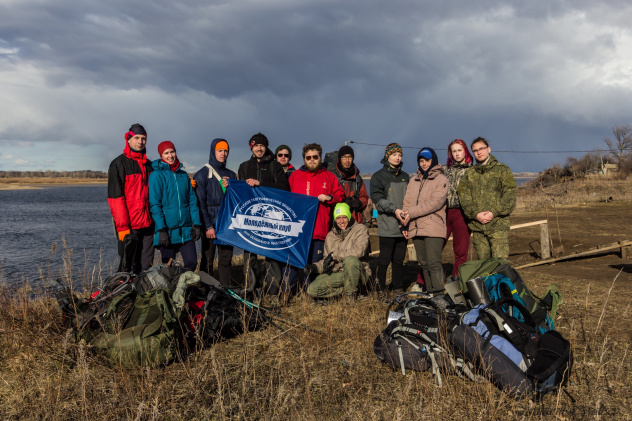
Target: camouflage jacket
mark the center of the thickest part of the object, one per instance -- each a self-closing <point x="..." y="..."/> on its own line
<point x="454" y="174"/>
<point x="489" y="187"/>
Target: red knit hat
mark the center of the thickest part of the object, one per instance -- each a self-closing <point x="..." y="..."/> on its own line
<point x="163" y="146"/>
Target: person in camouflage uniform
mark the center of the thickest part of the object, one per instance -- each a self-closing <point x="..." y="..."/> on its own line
<point x="487" y="193"/>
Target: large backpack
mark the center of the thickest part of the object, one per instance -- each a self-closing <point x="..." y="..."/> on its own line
<point x="417" y="339"/>
<point x="137" y="330"/>
<point x="163" y="275"/>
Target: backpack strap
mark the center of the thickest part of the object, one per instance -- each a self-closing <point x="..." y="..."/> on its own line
<point x="212" y="173"/>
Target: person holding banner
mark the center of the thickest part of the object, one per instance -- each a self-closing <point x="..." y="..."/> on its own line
<point x="174" y="207"/>
<point x="388" y="189"/>
<point x="313" y="179"/>
<point x="283" y="156"/>
<point x="212" y="181"/>
<point x="262" y="169"/>
<point x="345" y="265"/>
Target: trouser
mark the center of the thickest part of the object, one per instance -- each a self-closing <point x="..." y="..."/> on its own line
<point x="224" y="259"/>
<point x="392" y="249"/>
<point x="276" y="276"/>
<point x="250" y="270"/>
<point x="491" y="244"/>
<point x="455" y="223"/>
<point x="315" y="254"/>
<point x="334" y="284"/>
<point x="144" y="255"/>
<point x="429" y="255"/>
<point x="187" y="251"/>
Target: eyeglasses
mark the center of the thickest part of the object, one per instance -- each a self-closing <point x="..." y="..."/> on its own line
<point x="310" y="157"/>
<point x="346" y="158"/>
<point x="283" y="155"/>
<point x="480" y="149"/>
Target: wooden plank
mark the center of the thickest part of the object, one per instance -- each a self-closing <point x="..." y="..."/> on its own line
<point x="528" y="224"/>
<point x="587" y="253"/>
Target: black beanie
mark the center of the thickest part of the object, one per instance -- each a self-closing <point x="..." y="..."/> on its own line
<point x="345" y="150"/>
<point x="258" y="139"/>
<point x="134" y="130"/>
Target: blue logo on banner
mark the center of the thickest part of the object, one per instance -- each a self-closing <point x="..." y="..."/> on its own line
<point x="266" y="221"/>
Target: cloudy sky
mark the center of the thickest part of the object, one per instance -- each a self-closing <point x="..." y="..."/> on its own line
<point x="528" y="76"/>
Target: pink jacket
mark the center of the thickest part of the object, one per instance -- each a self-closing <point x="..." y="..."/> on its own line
<point x="426" y="201"/>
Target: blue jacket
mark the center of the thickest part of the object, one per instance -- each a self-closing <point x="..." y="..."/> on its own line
<point x="172" y="202"/>
<point x="209" y="191"/>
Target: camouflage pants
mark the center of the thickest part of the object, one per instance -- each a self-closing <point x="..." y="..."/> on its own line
<point x="491" y="244"/>
<point x="334" y="284"/>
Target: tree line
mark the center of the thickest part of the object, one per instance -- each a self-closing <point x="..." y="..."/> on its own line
<point x="615" y="159"/>
<point x="54" y="174"/>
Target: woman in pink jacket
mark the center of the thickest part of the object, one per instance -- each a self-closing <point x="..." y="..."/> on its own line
<point x="425" y="202"/>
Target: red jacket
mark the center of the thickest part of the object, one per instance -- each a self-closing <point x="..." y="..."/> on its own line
<point x="314" y="184"/>
<point x="128" y="190"/>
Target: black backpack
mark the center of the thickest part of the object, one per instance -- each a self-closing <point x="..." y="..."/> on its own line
<point x="417" y="338"/>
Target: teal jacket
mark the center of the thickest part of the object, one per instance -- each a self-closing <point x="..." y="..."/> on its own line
<point x="489" y="187"/>
<point x="172" y="202"/>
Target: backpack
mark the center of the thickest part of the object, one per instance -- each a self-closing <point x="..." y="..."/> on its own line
<point x="136" y="330"/>
<point x="417" y="340"/>
<point x="164" y="275"/>
<point x="474" y="268"/>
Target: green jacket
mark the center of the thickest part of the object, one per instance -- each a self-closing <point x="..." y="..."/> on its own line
<point x="489" y="187"/>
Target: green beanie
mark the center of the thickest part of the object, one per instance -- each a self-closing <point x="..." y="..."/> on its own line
<point x="281" y="147"/>
<point x="342" y="209"/>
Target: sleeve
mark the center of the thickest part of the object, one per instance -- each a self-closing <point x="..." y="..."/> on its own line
<point x="201" y="178"/>
<point x="116" y="198"/>
<point x="464" y="190"/>
<point x="241" y="171"/>
<point x="438" y="193"/>
<point x="337" y="193"/>
<point x="155" y="201"/>
<point x="279" y="178"/>
<point x="378" y="196"/>
<point x="508" y="194"/>
<point x="363" y="196"/>
<point x="193" y="205"/>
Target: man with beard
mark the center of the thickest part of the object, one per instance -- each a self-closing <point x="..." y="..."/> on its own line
<point x="313" y="179"/>
<point x="349" y="178"/>
<point x="262" y="169"/>
<point x="128" y="197"/>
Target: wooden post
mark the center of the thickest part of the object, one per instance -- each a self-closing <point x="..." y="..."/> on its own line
<point x="545" y="241"/>
<point x="626" y="251"/>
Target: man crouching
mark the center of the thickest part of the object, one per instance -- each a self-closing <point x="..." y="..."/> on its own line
<point x="345" y="263"/>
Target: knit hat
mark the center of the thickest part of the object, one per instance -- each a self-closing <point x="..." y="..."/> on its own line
<point x="258" y="139"/>
<point x="391" y="149"/>
<point x="222" y="144"/>
<point x="342" y="209"/>
<point x="134" y="130"/>
<point x="163" y="146"/>
<point x="281" y="147"/>
<point x="345" y="150"/>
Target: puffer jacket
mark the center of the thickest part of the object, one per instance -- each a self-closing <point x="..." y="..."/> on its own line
<point x="454" y="174"/>
<point x="352" y="241"/>
<point x="388" y="188"/>
<point x="172" y="202"/>
<point x="209" y="190"/>
<point x="313" y="184"/>
<point x="426" y="202"/>
<point x="489" y="187"/>
<point x="128" y="194"/>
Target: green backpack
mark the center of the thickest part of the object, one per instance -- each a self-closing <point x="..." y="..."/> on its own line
<point x="474" y="268"/>
<point x="137" y="330"/>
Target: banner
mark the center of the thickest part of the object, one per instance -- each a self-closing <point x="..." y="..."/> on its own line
<point x="266" y="221"/>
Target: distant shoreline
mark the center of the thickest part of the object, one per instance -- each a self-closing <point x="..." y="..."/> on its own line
<point x="33" y="183"/>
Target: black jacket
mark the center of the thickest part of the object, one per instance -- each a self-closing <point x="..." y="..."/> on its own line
<point x="267" y="171"/>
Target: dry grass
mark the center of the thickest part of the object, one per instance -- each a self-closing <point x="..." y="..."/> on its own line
<point x="267" y="375"/>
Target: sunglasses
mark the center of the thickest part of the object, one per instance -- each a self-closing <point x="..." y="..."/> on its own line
<point x="283" y="155"/>
<point x="310" y="157"/>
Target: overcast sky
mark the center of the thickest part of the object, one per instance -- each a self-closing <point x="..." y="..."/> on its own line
<point x="528" y="76"/>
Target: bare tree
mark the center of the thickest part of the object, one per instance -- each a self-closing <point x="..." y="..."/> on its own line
<point x="622" y="142"/>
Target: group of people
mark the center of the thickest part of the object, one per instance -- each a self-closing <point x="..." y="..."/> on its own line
<point x="156" y="204"/>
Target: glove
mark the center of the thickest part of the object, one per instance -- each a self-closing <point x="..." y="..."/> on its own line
<point x="196" y="233"/>
<point x="122" y="234"/>
<point x="193" y="183"/>
<point x="327" y="262"/>
<point x="311" y="268"/>
<point x="353" y="203"/>
<point x="163" y="238"/>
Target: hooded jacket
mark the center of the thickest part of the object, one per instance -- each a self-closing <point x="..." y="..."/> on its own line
<point x="209" y="190"/>
<point x="388" y="188"/>
<point x="128" y="194"/>
<point x="313" y="184"/>
<point x="489" y="187"/>
<point x="352" y="241"/>
<point x="173" y="203"/>
<point x="426" y="202"/>
<point x="353" y="186"/>
<point x="267" y="171"/>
